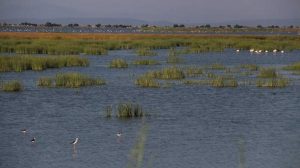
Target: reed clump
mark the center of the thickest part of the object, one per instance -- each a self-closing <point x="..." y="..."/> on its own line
<point x="12" y="86"/>
<point x="293" y="67"/>
<point x="130" y="110"/>
<point x="147" y="82"/>
<point x="145" y="52"/>
<point x="118" y="63"/>
<point x="217" y="66"/>
<point x="45" y="82"/>
<point x="272" y="83"/>
<point x="146" y="62"/>
<point x="169" y="73"/>
<point x="220" y="82"/>
<point x="193" y="71"/>
<point x="267" y="73"/>
<point x="69" y="80"/>
<point x="38" y="63"/>
<point x="250" y="67"/>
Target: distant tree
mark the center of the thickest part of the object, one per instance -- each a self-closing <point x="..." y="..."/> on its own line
<point x="175" y="25"/>
<point x="144" y="25"/>
<point x="222" y="27"/>
<point x="238" y="26"/>
<point x="207" y="26"/>
<point x="89" y="25"/>
<point x="291" y="26"/>
<point x="49" y="24"/>
<point x="259" y="26"/>
<point x="229" y="26"/>
<point x="98" y="25"/>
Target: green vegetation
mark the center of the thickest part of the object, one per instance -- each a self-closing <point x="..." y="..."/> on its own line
<point x="267" y="73"/>
<point x="145" y="81"/>
<point x="45" y="82"/>
<point x="169" y="73"/>
<point x="272" y="83"/>
<point x="293" y="67"/>
<point x="250" y="67"/>
<point x="146" y="62"/>
<point x="38" y="63"/>
<point x="69" y="80"/>
<point x="108" y="111"/>
<point x="220" y="82"/>
<point x="217" y="66"/>
<point x="70" y="44"/>
<point x="129" y="110"/>
<point x="193" y="71"/>
<point x="173" y="57"/>
<point x="118" y="63"/>
<point x="145" y="52"/>
<point x="12" y="86"/>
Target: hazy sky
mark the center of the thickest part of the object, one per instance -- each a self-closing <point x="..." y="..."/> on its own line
<point x="185" y="11"/>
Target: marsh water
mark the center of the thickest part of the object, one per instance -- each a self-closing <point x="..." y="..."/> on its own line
<point x="188" y="126"/>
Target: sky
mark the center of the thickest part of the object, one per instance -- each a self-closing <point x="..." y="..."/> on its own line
<point x="180" y="11"/>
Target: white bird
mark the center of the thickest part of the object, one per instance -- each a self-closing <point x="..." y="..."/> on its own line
<point x="33" y="140"/>
<point x="274" y="51"/>
<point x="282" y="51"/>
<point x="119" y="134"/>
<point x="266" y="51"/>
<point x="251" y="50"/>
<point x="259" y="51"/>
<point x="75" y="141"/>
<point x="237" y="50"/>
<point x="24" y="131"/>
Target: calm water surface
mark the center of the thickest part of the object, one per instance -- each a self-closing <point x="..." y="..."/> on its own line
<point x="189" y="126"/>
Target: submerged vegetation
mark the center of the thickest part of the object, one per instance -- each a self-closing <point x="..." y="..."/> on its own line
<point x="11" y="86"/>
<point x="144" y="81"/>
<point x="38" y="63"/>
<point x="69" y="80"/>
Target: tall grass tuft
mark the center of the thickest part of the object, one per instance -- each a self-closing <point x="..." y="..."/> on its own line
<point x="145" y="52"/>
<point x="69" y="80"/>
<point x="38" y="63"/>
<point x="251" y="67"/>
<point x="129" y="110"/>
<point x="144" y="81"/>
<point x="293" y="67"/>
<point x="12" y="86"/>
<point x="267" y="73"/>
<point x="75" y="80"/>
<point x="272" y="83"/>
<point x="118" y="63"/>
<point x="193" y="71"/>
<point x="146" y="62"/>
<point x="220" y="82"/>
<point x="45" y="82"/>
<point x="169" y="73"/>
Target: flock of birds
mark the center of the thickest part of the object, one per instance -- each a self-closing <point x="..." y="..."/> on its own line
<point x="74" y="142"/>
<point x="260" y="51"/>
